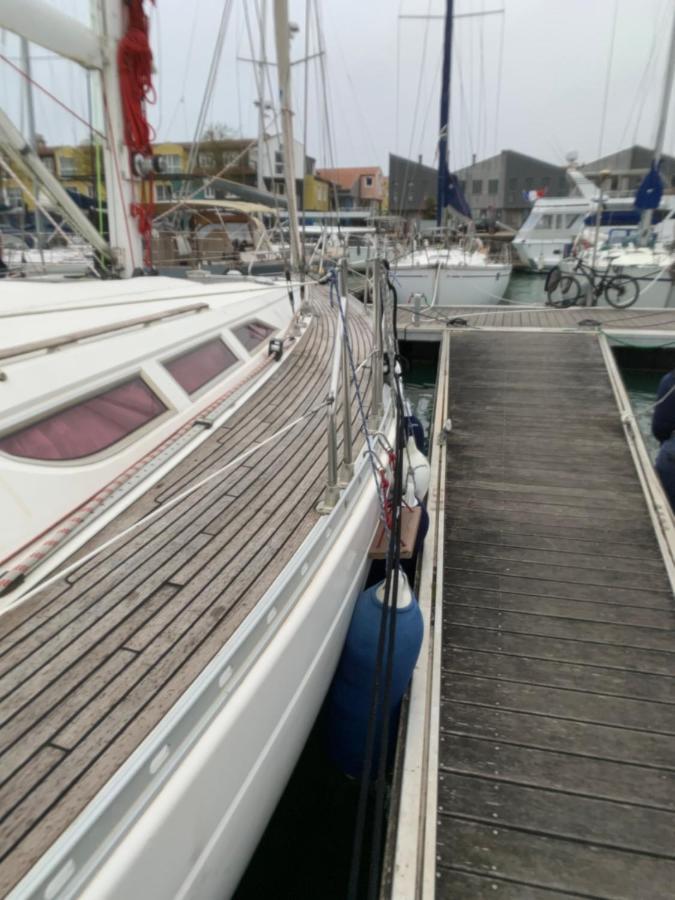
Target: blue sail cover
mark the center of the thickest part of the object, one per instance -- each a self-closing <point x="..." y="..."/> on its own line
<point x="453" y="195"/>
<point x="651" y="190"/>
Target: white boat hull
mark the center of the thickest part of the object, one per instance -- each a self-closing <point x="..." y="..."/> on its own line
<point x="195" y="838"/>
<point x="457" y="285"/>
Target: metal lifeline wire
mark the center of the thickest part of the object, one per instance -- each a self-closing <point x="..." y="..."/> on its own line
<point x="334" y="291"/>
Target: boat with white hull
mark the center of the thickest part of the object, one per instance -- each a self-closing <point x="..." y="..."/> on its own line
<point x="452" y="277"/>
<point x="186" y="553"/>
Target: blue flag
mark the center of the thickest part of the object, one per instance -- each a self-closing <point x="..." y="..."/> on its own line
<point x="650" y="191"/>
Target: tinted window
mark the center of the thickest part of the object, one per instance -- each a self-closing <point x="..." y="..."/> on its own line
<point x="251" y="334"/>
<point x="89" y="426"/>
<point x="195" y="368"/>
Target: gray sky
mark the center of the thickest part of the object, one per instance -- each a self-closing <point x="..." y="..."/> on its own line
<point x="384" y="73"/>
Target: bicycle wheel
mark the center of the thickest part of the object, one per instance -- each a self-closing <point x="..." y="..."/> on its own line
<point x="563" y="291"/>
<point x="622" y="291"/>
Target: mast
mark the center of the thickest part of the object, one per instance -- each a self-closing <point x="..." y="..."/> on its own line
<point x="282" y="36"/>
<point x="260" y="181"/>
<point x="32" y="134"/>
<point x="646" y="218"/>
<point x="445" y="114"/>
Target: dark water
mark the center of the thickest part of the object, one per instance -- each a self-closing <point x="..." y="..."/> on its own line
<point x="641" y="387"/>
<point x="526" y="287"/>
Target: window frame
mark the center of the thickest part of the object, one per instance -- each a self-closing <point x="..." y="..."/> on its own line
<point x="256" y="320"/>
<point x="185" y="350"/>
<point x="105" y="452"/>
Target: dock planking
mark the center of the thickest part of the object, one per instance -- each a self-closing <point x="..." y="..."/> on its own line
<point x="556" y="768"/>
<point x="90" y="664"/>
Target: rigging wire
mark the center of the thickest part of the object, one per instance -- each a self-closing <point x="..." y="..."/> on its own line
<point x="208" y="90"/>
<point x="418" y="100"/>
<point x="640" y="88"/>
<point x="330" y="146"/>
<point x="482" y="110"/>
<point x="188" y="66"/>
<point x="51" y="96"/>
<point x="603" y="116"/>
<point x="500" y="66"/>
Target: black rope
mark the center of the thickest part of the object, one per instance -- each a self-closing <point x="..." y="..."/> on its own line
<point x="393" y="565"/>
<point x="381" y="690"/>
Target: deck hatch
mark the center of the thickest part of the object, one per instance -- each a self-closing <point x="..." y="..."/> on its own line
<point x="195" y="368"/>
<point x="88" y="426"/>
<point x="252" y="334"/>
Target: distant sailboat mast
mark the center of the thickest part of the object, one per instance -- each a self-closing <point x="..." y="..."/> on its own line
<point x="283" y="40"/>
<point x="443" y="170"/>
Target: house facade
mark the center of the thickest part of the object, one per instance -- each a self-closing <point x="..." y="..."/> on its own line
<point x="356" y="187"/>
<point x="627" y="168"/>
<point x="497" y="187"/>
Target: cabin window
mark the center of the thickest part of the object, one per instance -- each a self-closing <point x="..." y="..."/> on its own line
<point x="252" y="334"/>
<point x="572" y="219"/>
<point x="193" y="369"/>
<point x="545" y="222"/>
<point x="88" y="426"/>
<point x="493" y="186"/>
<point x="477" y="186"/>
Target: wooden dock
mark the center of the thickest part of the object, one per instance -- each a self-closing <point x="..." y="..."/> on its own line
<point x="652" y="325"/>
<point x="90" y="664"/>
<point x="540" y="759"/>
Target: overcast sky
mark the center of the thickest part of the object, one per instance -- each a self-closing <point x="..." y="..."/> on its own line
<point x="544" y="97"/>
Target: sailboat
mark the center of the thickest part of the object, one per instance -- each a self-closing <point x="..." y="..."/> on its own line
<point x="463" y="274"/>
<point x="182" y="548"/>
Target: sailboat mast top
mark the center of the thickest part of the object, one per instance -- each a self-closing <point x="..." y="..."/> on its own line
<point x="282" y="36"/>
<point x="445" y="114"/>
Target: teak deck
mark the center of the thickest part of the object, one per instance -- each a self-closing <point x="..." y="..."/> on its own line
<point x="557" y="748"/>
<point x="91" y="664"/>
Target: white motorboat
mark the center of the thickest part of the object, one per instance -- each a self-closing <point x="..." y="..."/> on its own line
<point x="180" y="554"/>
<point x="555" y="223"/>
<point x="452" y="277"/>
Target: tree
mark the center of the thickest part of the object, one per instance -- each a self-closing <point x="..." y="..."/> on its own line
<point x="217" y="131"/>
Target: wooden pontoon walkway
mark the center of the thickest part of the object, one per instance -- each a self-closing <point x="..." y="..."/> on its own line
<point x="632" y="321"/>
<point x="556" y="761"/>
<point x="92" y="663"/>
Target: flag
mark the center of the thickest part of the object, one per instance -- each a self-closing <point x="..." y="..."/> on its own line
<point x="649" y="193"/>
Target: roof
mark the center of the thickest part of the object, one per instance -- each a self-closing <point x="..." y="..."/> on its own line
<point x="345" y="178"/>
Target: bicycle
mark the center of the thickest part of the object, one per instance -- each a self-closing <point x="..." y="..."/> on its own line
<point x="564" y="288"/>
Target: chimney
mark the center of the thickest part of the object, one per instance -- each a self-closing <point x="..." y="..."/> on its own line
<point x="473" y="159"/>
<point x="419" y="159"/>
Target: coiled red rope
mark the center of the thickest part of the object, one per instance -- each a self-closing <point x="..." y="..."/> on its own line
<point x="134" y="64"/>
